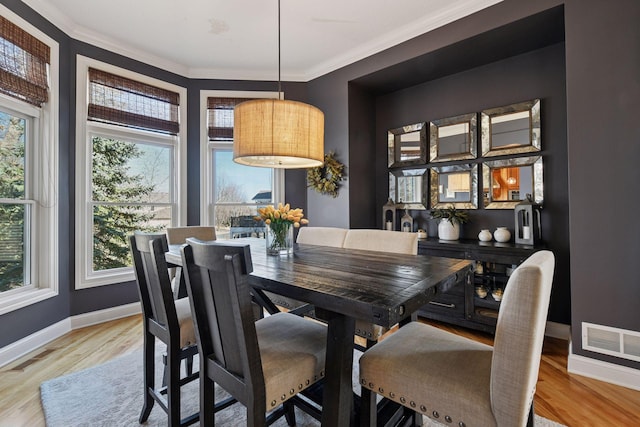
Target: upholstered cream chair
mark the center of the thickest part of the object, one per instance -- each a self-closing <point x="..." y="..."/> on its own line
<point x="263" y="364"/>
<point x="380" y="241"/>
<point x="322" y="236"/>
<point x="459" y="381"/>
<point x="178" y="236"/>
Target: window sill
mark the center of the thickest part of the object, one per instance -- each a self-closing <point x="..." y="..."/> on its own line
<point x="24" y="298"/>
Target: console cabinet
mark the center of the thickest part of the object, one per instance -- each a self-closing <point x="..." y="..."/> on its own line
<point x="464" y="305"/>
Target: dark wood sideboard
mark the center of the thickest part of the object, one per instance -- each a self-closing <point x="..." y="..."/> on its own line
<point x="494" y="262"/>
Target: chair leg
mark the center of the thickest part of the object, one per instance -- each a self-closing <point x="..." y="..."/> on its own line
<point x="531" y="418"/>
<point x="207" y="400"/>
<point x="149" y="379"/>
<point x="368" y="413"/>
<point x="290" y="413"/>
<point x="173" y="387"/>
<point x="189" y="365"/>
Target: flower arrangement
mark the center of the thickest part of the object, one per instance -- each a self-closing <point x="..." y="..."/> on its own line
<point x="326" y="179"/>
<point x="279" y="222"/>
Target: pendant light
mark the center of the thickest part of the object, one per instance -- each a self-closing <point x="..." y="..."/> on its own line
<point x="275" y="133"/>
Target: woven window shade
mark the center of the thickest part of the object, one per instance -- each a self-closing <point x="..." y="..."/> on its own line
<point x="122" y="101"/>
<point x="220" y="117"/>
<point x="23" y="64"/>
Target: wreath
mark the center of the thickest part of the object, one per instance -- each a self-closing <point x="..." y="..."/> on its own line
<point x="326" y="179"/>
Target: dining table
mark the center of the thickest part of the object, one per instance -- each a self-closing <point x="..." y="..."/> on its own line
<point x="344" y="285"/>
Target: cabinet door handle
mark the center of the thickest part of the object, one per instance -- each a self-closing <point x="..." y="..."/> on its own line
<point x="441" y="304"/>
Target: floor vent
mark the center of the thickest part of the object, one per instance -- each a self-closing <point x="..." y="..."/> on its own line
<point x="613" y="341"/>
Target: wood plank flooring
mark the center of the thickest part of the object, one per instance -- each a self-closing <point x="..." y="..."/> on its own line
<point x="569" y="399"/>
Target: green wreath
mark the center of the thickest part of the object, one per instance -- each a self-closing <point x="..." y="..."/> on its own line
<point x="326" y="179"/>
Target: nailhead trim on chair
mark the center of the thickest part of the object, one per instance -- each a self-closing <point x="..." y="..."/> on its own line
<point x="413" y="404"/>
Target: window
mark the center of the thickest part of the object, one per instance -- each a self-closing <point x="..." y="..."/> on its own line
<point x="129" y="155"/>
<point x="232" y="193"/>
<point x="28" y="164"/>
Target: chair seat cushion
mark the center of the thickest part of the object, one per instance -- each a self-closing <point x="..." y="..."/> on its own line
<point x="434" y="372"/>
<point x="187" y="331"/>
<point x="292" y="350"/>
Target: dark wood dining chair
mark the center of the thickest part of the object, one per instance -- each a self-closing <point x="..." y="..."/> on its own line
<point x="264" y="364"/>
<point x="459" y="381"/>
<point x="167" y="320"/>
<point x="178" y="236"/>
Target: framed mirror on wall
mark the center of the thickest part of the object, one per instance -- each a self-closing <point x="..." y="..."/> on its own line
<point x="455" y="185"/>
<point x="507" y="182"/>
<point x="453" y="138"/>
<point x="407" y="146"/>
<point x="513" y="129"/>
<point x="408" y="188"/>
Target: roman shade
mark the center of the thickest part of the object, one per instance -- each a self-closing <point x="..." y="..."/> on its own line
<point x="24" y="62"/>
<point x="122" y="101"/>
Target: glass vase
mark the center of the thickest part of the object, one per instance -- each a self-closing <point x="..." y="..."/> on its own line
<point x="279" y="238"/>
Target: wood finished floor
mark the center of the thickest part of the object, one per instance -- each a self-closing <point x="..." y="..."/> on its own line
<point x="572" y="400"/>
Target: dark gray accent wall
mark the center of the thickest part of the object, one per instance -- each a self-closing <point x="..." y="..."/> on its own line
<point x="603" y="106"/>
<point x="537" y="74"/>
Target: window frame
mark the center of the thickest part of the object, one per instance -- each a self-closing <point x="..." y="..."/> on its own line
<point x="85" y="129"/>
<point x="207" y="148"/>
<point x="43" y="186"/>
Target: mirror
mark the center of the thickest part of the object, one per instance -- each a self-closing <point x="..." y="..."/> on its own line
<point x="453" y="138"/>
<point x="507" y="182"/>
<point x="455" y="185"/>
<point x="512" y="129"/>
<point x="407" y="146"/>
<point x="408" y="187"/>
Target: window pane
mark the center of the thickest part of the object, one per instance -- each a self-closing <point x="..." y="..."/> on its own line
<point x="13" y="272"/>
<point x="124" y="171"/>
<point x="12" y="155"/>
<point x="113" y="223"/>
<point x="232" y="221"/>
<point x="235" y="183"/>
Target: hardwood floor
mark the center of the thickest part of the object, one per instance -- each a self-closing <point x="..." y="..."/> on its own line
<point x="569" y="399"/>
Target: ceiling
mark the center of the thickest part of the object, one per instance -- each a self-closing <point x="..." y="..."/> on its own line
<point x="238" y="39"/>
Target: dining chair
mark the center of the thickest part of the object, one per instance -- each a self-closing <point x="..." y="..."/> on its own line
<point x="323" y="236"/>
<point x="166" y="319"/>
<point x="459" y="381"/>
<point x="380" y="241"/>
<point x="264" y="364"/>
<point x="178" y="236"/>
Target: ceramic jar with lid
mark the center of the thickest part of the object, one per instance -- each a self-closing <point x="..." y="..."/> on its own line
<point x="502" y="234"/>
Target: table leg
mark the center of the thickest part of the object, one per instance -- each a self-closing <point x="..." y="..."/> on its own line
<point x="337" y="394"/>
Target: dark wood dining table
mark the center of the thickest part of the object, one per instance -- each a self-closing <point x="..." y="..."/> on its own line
<point x="345" y="285"/>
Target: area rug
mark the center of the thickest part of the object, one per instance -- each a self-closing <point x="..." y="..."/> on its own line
<point x="110" y="395"/>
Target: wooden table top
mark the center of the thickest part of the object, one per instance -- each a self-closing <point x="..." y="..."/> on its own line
<point x="379" y="287"/>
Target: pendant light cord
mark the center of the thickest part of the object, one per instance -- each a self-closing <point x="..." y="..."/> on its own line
<point x="279" y="60"/>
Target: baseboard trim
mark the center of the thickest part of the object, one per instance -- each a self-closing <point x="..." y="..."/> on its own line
<point x="101" y="316"/>
<point x="603" y="371"/>
<point x="558" y="330"/>
<point x="15" y="350"/>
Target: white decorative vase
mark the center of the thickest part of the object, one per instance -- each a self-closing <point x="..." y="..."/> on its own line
<point x="502" y="235"/>
<point x="485" y="236"/>
<point x="448" y="231"/>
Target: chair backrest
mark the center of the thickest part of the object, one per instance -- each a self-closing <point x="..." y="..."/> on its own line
<point x="382" y="241"/>
<point x="179" y="235"/>
<point x="322" y="236"/>
<point x="519" y="338"/>
<point x="219" y="292"/>
<point x="152" y="276"/>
